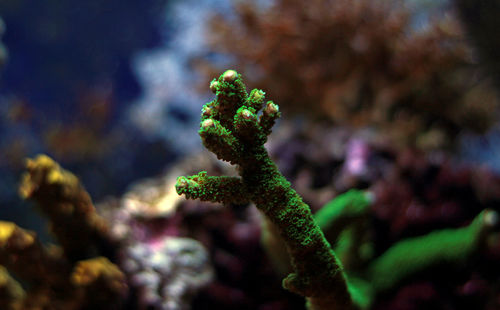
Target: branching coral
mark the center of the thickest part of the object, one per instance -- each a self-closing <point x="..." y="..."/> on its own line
<point x="60" y="278"/>
<point x="61" y="197"/>
<point x="232" y="128"/>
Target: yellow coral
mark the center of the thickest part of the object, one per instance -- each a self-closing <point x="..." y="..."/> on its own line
<point x="6" y="230"/>
<point x="90" y="271"/>
<point x="44" y="169"/>
<point x="21" y="238"/>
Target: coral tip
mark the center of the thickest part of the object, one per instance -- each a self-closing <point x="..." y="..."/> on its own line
<point x="230" y="76"/>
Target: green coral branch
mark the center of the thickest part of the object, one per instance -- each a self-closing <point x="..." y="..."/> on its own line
<point x="345" y="220"/>
<point x="344" y="208"/>
<point x="403" y="259"/>
<point x="219" y="140"/>
<point x="221" y="189"/>
<point x="232" y="128"/>
<point x="412" y="255"/>
<point x="343" y="211"/>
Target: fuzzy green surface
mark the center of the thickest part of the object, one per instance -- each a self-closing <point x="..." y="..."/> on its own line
<point x="348" y="205"/>
<point x="415" y="254"/>
<point x="235" y="128"/>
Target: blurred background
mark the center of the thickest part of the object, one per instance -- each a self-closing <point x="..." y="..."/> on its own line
<point x="113" y="89"/>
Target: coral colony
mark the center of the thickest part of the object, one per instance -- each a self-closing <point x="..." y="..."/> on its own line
<point x="66" y="276"/>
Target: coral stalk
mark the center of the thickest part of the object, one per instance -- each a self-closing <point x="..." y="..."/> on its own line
<point x="232" y="129"/>
<point x="69" y="207"/>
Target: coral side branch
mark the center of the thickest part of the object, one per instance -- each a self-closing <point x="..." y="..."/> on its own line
<point x="246" y="125"/>
<point x="223" y="189"/>
<point x="349" y="205"/>
<point x="23" y="254"/>
<point x="269" y="116"/>
<point x="101" y="279"/>
<point x="343" y="211"/>
<point x="231" y="95"/>
<point x="219" y="140"/>
<point x="232" y="129"/>
<point x="62" y="198"/>
<point x="11" y="292"/>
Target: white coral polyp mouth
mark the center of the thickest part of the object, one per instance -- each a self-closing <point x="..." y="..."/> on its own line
<point x="182" y="182"/>
<point x="207" y="124"/>
<point x="206" y="111"/>
<point x="246" y="114"/>
<point x="271" y="108"/>
<point x="214" y="86"/>
<point x="230" y="76"/>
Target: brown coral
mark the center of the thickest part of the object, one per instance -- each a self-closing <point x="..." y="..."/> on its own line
<point x="58" y="278"/>
<point x="11" y="293"/>
<point x="62" y="198"/>
<point x="358" y="63"/>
